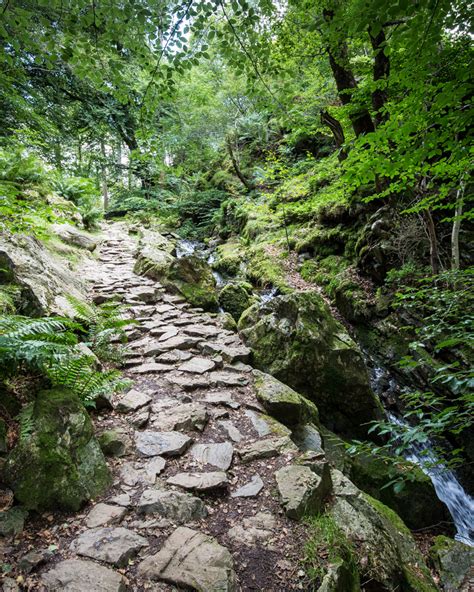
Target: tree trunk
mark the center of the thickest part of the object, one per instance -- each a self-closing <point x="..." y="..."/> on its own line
<point x="434" y="253"/>
<point x="346" y="82"/>
<point x="105" y="188"/>
<point x="456" y="228"/>
<point x="381" y="74"/>
<point x="338" y="133"/>
<point x="242" y="178"/>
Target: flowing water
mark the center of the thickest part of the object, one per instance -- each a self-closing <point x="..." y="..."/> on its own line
<point x="460" y="504"/>
<point x="448" y="488"/>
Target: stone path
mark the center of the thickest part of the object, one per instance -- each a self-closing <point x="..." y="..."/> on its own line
<point x="195" y="500"/>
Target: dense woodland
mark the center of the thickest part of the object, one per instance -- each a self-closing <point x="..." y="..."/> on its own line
<point x="317" y="155"/>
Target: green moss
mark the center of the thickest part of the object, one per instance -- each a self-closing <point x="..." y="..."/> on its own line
<point x="235" y="298"/>
<point x="192" y="277"/>
<point x="60" y="465"/>
<point x="264" y="269"/>
<point x="10" y="298"/>
<point x="326" y="546"/>
<point x="392" y="516"/>
<point x="229" y="257"/>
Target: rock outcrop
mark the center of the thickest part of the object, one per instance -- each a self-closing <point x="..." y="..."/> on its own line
<point x="43" y="278"/>
<point x="296" y="339"/>
<point x="73" y="236"/>
<point x="236" y="297"/>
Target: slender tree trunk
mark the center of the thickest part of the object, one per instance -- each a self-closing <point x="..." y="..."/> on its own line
<point x="431" y="230"/>
<point x="105" y="188"/>
<point x="456" y="228"/>
<point x="79" y="157"/>
<point x="338" y="133"/>
<point x="242" y="178"/>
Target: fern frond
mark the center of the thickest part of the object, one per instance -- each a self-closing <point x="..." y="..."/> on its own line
<point x="26" y="421"/>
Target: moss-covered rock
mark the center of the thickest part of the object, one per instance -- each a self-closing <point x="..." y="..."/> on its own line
<point x="282" y="402"/>
<point x="60" y="465"/>
<point x="454" y="562"/>
<point x="229" y="257"/>
<point x="115" y="443"/>
<point x="235" y="298"/>
<point x="296" y="339"/>
<point x="416" y="503"/>
<point x="387" y="553"/>
<point x="12" y="521"/>
<point x="192" y="277"/>
<point x="153" y="262"/>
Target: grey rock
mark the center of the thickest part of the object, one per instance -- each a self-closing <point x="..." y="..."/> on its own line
<point x="104" y="514"/>
<point x="282" y="402"/>
<point x="122" y="499"/>
<point x="112" y="545"/>
<point x="140" y="418"/>
<point x="221" y="398"/>
<point x="202" y="330"/>
<point x="12" y="521"/>
<point x="74" y="575"/>
<point x="33" y="559"/>
<point x="115" y="442"/>
<point x="455" y="563"/>
<point x="174" y="356"/>
<point x="230" y="429"/>
<point x="174" y="505"/>
<point x="178" y="342"/>
<point x="191" y="559"/>
<point x="150" y="368"/>
<point x="189" y="416"/>
<point x="254" y="530"/>
<point x="266" y="448"/>
<point x="250" y="489"/>
<point x="132" y="401"/>
<point x="152" y="443"/>
<point x="73" y="236"/>
<point x="44" y="278"/>
<point x="217" y="454"/>
<point x="197" y="365"/>
<point x="200" y="481"/>
<point x="302" y="492"/>
<point x="307" y="437"/>
<point x="135" y="473"/>
<point x="218" y="378"/>
<point x="188" y="383"/>
<point x="10" y="585"/>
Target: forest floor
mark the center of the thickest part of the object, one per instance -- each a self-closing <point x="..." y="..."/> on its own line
<point x="194" y="484"/>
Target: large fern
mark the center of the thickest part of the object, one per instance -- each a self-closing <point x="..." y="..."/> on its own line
<point x="34" y="343"/>
<point x="104" y="326"/>
<point x="77" y="373"/>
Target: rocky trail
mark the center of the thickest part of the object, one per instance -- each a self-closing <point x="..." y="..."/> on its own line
<point x="195" y="460"/>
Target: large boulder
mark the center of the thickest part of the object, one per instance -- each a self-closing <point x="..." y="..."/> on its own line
<point x="60" y="464"/>
<point x="454" y="562"/>
<point x="416" y="502"/>
<point x="296" y="339"/>
<point x="387" y="554"/>
<point x="154" y="255"/>
<point x="43" y="278"/>
<point x="235" y="298"/>
<point x="192" y="277"/>
<point x="73" y="236"/>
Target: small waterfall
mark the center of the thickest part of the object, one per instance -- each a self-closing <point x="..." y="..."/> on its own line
<point x="268" y="294"/>
<point x="186" y="247"/>
<point x="448" y="488"/>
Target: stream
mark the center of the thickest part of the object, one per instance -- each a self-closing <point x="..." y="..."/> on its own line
<point x="448" y="488"/>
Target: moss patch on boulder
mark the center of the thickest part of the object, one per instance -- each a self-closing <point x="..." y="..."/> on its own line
<point x="296" y="339"/>
<point x="192" y="277"/>
<point x="416" y="503"/>
<point x="60" y="465"/>
<point x="453" y="561"/>
<point x="282" y="402"/>
<point x="235" y="298"/>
